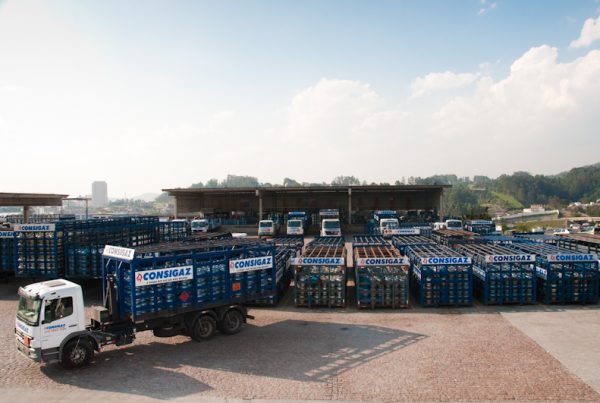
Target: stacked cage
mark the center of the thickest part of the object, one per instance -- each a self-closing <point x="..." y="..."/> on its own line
<point x="320" y="273"/>
<point x="381" y="274"/>
<point x="564" y="276"/>
<point x="295" y="242"/>
<point x="441" y="276"/>
<point x="39" y="250"/>
<point x="403" y="242"/>
<point x="39" y="218"/>
<point x="208" y="274"/>
<point x="173" y="231"/>
<point x="85" y="240"/>
<point x="423" y="227"/>
<point x="501" y="275"/>
<point x="7" y="253"/>
<point x="481" y="227"/>
<point x="283" y="277"/>
<point x="450" y="237"/>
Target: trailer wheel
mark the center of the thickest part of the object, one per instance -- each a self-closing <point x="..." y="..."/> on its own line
<point x="232" y="322"/>
<point x="204" y="328"/>
<point x="169" y="331"/>
<point x="76" y="354"/>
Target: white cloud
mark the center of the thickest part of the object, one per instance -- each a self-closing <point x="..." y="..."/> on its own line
<point x="541" y="117"/>
<point x="589" y="33"/>
<point x="486" y="8"/>
<point x="441" y="81"/>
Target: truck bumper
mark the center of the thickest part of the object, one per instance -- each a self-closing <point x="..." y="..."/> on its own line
<point x="34" y="354"/>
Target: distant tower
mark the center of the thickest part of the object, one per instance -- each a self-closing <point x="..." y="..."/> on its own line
<point x="99" y="194"/>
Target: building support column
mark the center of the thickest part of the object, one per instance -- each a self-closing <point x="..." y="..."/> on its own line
<point x="260" y="206"/>
<point x="441" y="205"/>
<point x="25" y="214"/>
<point x="349" y="206"/>
<point x="175" y="204"/>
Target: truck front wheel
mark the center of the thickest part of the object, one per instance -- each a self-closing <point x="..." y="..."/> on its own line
<point x="204" y="328"/>
<point x="232" y="322"/>
<point x="76" y="354"/>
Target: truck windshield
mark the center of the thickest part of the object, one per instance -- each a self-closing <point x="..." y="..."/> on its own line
<point x="29" y="310"/>
<point x="294" y="224"/>
<point x="390" y="224"/>
<point x="331" y="224"/>
<point x="266" y="224"/>
<point x="453" y="224"/>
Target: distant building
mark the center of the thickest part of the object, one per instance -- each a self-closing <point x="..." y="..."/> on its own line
<point x="99" y="194"/>
<point x="535" y="208"/>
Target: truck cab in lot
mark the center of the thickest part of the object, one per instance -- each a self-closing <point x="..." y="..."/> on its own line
<point x="387" y="221"/>
<point x="267" y="228"/>
<point x="331" y="227"/>
<point x="200" y="225"/>
<point x="49" y="315"/>
<point x="295" y="227"/>
<point x="330" y="222"/>
<point x="297" y="222"/>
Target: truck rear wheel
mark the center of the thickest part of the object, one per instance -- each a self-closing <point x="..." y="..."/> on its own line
<point x="204" y="328"/>
<point x="76" y="354"/>
<point x="168" y="331"/>
<point x="232" y="322"/>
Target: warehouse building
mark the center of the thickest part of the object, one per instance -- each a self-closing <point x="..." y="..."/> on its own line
<point x="355" y="203"/>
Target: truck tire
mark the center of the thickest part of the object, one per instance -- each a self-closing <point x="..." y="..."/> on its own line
<point x="232" y="322"/>
<point x="166" y="331"/>
<point x="204" y="328"/>
<point x="77" y="353"/>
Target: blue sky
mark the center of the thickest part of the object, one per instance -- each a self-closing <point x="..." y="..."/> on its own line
<point x="155" y="94"/>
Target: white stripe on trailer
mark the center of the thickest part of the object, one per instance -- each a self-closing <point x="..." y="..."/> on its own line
<point x="118" y="252"/>
<point x="445" y="260"/>
<point x="388" y="261"/>
<point x="250" y="264"/>
<point x="34" y="227"/>
<point x="509" y="258"/>
<point x="572" y="258"/>
<point x="318" y="261"/>
<point x="7" y="234"/>
<point x="405" y="231"/>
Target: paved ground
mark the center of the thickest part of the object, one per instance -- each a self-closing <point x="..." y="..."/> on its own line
<point x="571" y="335"/>
<point x="471" y="354"/>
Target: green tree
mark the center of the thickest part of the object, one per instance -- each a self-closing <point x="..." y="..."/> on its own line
<point x="291" y="183"/>
<point x="345" y="181"/>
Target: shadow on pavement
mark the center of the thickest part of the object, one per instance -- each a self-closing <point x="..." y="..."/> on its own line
<point x="290" y="349"/>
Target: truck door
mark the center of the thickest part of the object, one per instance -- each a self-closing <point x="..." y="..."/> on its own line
<point x="59" y="319"/>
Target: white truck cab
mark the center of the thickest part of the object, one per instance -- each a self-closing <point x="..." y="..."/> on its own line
<point x="295" y="227"/>
<point x="50" y="316"/>
<point x="389" y="227"/>
<point x="331" y="227"/>
<point x="266" y="228"/>
<point x="200" y="225"/>
<point x="454" y="224"/>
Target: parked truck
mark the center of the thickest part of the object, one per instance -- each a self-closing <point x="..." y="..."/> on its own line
<point x="267" y="228"/>
<point x="205" y="224"/>
<point x="330" y="222"/>
<point x="296" y="223"/>
<point x="171" y="289"/>
<point x="387" y="222"/>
